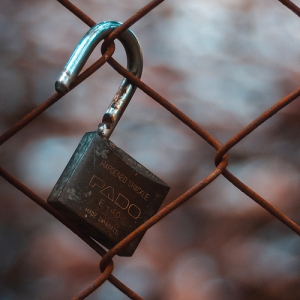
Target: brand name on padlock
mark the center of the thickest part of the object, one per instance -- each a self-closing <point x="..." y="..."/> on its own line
<point x="115" y="172"/>
<point x="120" y="200"/>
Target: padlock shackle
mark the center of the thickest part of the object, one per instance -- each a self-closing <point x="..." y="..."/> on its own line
<point x="81" y="54"/>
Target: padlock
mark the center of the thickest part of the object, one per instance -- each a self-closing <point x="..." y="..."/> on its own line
<point x="103" y="190"/>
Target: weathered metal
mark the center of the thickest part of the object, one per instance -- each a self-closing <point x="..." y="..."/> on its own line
<point x="221" y="160"/>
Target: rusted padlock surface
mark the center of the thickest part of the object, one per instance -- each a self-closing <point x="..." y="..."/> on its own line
<point x="106" y="192"/>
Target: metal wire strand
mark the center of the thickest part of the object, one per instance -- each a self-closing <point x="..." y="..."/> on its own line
<point x="292" y="6"/>
<point x="164" y="212"/>
<point x="221" y="158"/>
<point x="98" y="282"/>
<point x="222" y="150"/>
<point x="55" y="97"/>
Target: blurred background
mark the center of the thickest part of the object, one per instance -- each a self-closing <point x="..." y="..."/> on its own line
<point x="222" y="63"/>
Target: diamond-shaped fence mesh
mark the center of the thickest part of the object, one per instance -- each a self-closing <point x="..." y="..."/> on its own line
<point x="228" y="228"/>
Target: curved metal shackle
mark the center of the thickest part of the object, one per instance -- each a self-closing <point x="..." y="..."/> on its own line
<point x="81" y="54"/>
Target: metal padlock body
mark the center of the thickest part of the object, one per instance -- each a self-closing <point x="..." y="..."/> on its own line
<point x="106" y="192"/>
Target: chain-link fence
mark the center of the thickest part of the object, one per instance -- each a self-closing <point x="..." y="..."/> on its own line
<point x="253" y="161"/>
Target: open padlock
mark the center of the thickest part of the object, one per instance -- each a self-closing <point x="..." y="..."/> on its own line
<point x="103" y="190"/>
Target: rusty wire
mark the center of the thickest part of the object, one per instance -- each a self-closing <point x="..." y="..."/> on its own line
<point x="221" y="158"/>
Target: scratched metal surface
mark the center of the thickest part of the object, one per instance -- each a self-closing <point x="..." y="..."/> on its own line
<point x="217" y="67"/>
